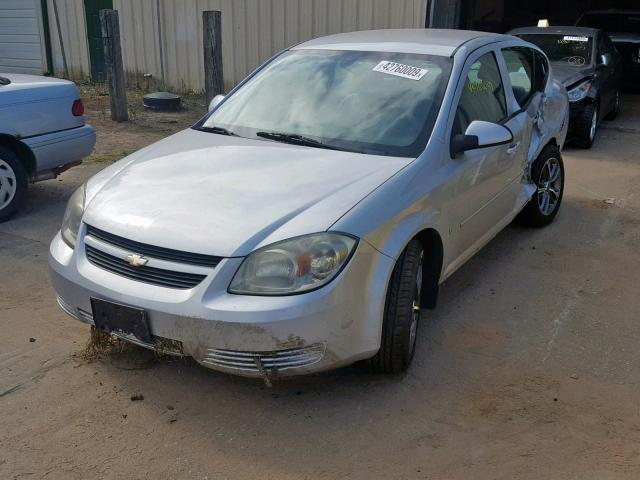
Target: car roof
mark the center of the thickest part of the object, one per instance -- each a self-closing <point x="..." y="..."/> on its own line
<point x="614" y="10"/>
<point x="565" y="30"/>
<point x="419" y="40"/>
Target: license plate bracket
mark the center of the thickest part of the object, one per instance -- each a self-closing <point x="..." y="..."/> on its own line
<point x="113" y="317"/>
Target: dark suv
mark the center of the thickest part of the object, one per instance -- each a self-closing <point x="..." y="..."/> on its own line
<point x="623" y="26"/>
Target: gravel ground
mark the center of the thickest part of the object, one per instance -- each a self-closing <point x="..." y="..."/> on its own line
<point x="528" y="369"/>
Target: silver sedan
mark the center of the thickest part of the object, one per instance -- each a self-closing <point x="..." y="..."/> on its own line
<point x="308" y="219"/>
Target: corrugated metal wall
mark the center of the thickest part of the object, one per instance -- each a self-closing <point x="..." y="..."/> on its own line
<point x="252" y="31"/>
<point x="74" y="36"/>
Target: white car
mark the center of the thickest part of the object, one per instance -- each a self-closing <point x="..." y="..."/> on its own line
<point x="306" y="220"/>
<point x="42" y="133"/>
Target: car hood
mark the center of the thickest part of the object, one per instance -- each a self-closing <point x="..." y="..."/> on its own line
<point x="569" y="75"/>
<point x="219" y="195"/>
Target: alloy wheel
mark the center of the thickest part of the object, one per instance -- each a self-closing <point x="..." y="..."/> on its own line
<point x="549" y="186"/>
<point x="8" y="184"/>
<point x="594" y="124"/>
<point x="415" y="310"/>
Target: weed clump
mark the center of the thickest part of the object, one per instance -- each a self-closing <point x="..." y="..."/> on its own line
<point x="102" y="344"/>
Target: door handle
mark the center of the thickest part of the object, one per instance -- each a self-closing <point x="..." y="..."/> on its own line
<point x="513" y="148"/>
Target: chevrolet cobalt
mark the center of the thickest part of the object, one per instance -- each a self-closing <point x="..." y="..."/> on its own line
<point x="308" y="219"/>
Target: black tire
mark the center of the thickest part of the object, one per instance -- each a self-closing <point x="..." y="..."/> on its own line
<point x="613" y="114"/>
<point x="535" y="214"/>
<point x="16" y="180"/>
<point x="583" y="132"/>
<point x="397" y="345"/>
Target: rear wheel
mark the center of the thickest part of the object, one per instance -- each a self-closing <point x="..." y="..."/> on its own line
<point x="402" y="312"/>
<point x="548" y="174"/>
<point x="613" y="114"/>
<point x="13" y="183"/>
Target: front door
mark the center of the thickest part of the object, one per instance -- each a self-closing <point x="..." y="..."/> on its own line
<point x="483" y="176"/>
<point x="94" y="36"/>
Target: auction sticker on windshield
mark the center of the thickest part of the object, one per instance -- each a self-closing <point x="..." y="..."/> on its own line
<point x="400" y="70"/>
<point x="570" y="38"/>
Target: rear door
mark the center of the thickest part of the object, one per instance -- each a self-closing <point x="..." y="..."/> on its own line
<point x="526" y="98"/>
<point x="609" y="75"/>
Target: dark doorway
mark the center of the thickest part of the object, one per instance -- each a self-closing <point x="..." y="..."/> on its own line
<point x="503" y="15"/>
<point x="94" y="36"/>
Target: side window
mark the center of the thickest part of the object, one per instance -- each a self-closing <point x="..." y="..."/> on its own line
<point x="482" y="95"/>
<point x="541" y="73"/>
<point x="521" y="72"/>
<point x="611" y="47"/>
<point x="605" y="45"/>
<point x="602" y="47"/>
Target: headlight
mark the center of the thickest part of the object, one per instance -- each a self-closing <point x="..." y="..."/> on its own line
<point x="580" y="91"/>
<point x="293" y="266"/>
<point x="73" y="217"/>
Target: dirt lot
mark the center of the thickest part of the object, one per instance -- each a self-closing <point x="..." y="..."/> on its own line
<point x="116" y="140"/>
<point x="529" y="368"/>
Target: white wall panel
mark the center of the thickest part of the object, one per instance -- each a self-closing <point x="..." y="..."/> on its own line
<point x="252" y="31"/>
<point x="20" y="43"/>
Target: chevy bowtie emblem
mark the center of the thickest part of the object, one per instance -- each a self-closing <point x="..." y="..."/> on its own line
<point x="136" y="260"/>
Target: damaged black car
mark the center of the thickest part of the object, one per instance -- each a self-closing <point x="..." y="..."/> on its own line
<point x="587" y="63"/>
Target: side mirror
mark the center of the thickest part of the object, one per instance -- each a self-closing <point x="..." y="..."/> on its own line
<point x="605" y="59"/>
<point x="215" y="101"/>
<point x="480" y="134"/>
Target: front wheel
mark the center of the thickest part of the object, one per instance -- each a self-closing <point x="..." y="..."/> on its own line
<point x="587" y="126"/>
<point x="402" y="312"/>
<point x="547" y="173"/>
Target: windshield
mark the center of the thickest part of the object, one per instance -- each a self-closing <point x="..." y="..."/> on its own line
<point x="575" y="50"/>
<point x="612" y="22"/>
<point x="370" y="102"/>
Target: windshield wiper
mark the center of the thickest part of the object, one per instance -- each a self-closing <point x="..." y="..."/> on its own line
<point x="295" y="139"/>
<point x="218" y="130"/>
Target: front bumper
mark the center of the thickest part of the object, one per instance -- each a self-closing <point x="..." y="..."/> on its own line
<point x="576" y="112"/>
<point x="333" y="326"/>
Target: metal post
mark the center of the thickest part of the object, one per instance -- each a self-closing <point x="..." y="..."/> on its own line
<point x="160" y="44"/>
<point x="113" y="65"/>
<point x="212" y="42"/>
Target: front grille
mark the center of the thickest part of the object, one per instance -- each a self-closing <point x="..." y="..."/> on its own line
<point x="265" y="362"/>
<point x="160" y="253"/>
<point x="154" y="276"/>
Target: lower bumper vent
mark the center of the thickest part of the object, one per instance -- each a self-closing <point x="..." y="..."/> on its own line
<point x="271" y="361"/>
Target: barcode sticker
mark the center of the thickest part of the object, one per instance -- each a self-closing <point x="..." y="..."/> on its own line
<point x="570" y="38"/>
<point x="400" y="70"/>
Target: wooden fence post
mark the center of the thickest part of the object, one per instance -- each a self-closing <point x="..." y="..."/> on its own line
<point x="113" y="65"/>
<point x="212" y="42"/>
